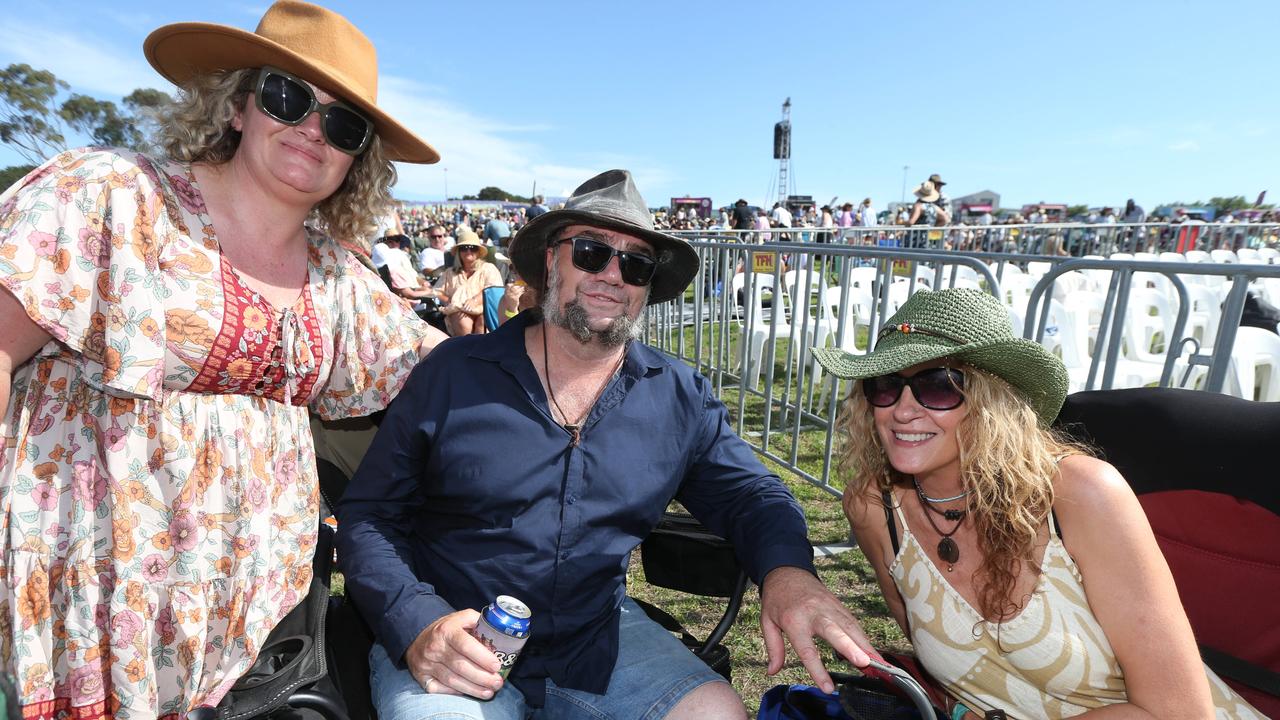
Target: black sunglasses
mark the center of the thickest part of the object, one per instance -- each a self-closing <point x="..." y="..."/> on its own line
<point x="938" y="388"/>
<point x="593" y="256"/>
<point x="287" y="99"/>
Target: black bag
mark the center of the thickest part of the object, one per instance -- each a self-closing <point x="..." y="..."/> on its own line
<point x="681" y="554"/>
<point x="292" y="660"/>
<point x="1259" y="313"/>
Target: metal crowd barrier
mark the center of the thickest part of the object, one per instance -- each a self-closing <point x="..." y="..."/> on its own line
<point x="736" y="309"/>
<point x="1066" y="239"/>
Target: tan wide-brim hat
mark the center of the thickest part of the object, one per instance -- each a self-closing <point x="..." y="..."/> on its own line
<point x="314" y="43"/>
<point x="468" y="238"/>
<point x="927" y="192"/>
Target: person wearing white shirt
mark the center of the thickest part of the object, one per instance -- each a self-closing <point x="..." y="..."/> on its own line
<point x="780" y="215"/>
<point x="431" y="258"/>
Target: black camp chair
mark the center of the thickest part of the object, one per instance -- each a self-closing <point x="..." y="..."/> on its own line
<point x="1204" y="467"/>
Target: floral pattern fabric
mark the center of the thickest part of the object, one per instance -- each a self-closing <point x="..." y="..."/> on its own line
<point x="158" y="500"/>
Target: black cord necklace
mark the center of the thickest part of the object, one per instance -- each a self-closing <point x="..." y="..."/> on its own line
<point x="948" y="550"/>
<point x="574" y="428"/>
<point x="929" y="502"/>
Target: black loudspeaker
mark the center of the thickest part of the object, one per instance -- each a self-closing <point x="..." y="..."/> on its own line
<point x="782" y="141"/>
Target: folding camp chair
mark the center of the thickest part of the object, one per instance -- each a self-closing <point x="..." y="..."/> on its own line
<point x="1204" y="468"/>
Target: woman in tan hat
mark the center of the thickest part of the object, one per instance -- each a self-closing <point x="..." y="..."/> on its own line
<point x="461" y="290"/>
<point x="1009" y="556"/>
<point x="169" y="324"/>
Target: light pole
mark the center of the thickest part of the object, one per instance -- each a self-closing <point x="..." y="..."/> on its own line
<point x="905" y="168"/>
<point x="446" y="184"/>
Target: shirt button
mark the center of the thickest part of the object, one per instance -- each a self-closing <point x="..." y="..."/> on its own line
<point x="572" y="500"/>
<point x="564" y="555"/>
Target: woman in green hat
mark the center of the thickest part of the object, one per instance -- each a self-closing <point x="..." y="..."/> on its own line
<point x="1022" y="568"/>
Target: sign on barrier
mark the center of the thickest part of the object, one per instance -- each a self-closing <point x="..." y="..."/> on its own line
<point x="764" y="262"/>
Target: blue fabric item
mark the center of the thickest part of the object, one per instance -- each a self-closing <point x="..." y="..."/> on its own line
<point x="471" y="490"/>
<point x="492" y="297"/>
<point x="800" y="702"/>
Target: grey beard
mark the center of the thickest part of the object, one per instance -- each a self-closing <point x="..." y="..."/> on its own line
<point x="574" y="318"/>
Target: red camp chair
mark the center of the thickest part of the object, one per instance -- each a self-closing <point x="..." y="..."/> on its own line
<point x="1206" y="470"/>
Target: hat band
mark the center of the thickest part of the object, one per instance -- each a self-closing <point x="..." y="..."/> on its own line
<point x="909" y="328"/>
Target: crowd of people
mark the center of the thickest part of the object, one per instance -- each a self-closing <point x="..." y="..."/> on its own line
<point x="177" y="327"/>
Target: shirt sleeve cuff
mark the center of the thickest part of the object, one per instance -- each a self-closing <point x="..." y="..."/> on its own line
<point x="405" y="621"/>
<point x="791" y="554"/>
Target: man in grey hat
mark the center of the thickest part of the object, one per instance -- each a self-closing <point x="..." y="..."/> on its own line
<point x="537" y="477"/>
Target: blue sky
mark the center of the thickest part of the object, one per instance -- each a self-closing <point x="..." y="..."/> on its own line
<point x="1081" y="102"/>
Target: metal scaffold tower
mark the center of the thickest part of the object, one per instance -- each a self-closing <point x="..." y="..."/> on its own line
<point x="782" y="149"/>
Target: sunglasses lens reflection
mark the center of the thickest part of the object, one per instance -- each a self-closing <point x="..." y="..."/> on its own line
<point x="290" y="101"/>
<point x="593" y="256"/>
<point x="935" y="389"/>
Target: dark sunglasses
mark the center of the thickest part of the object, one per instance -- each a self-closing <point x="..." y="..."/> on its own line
<point x="289" y="100"/>
<point x="468" y="249"/>
<point x="936" y="388"/>
<point x="593" y="256"/>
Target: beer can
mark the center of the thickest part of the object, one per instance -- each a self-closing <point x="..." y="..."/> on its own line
<point x="504" y="629"/>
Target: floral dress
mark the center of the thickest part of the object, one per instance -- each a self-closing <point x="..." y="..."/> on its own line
<point x="158" y="501"/>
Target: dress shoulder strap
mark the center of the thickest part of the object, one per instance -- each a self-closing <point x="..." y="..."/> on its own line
<point x="887" y="500"/>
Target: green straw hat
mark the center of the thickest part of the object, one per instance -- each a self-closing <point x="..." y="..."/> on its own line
<point x="970" y="326"/>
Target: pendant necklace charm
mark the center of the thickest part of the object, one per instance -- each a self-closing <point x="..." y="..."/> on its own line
<point x="948" y="550"/>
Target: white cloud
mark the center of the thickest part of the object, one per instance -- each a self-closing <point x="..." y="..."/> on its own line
<point x="88" y="66"/>
<point x="1185" y="146"/>
<point x="478" y="151"/>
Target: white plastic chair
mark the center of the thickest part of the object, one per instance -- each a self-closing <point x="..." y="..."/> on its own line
<point x="965" y="277"/>
<point x="1015" y="291"/>
<point x="1204" y="315"/>
<point x="1223" y="256"/>
<point x="1068" y="283"/>
<point x="1037" y="268"/>
<point x="1198" y="256"/>
<point x="1250" y="255"/>
<point x="863" y="278"/>
<point x="1171" y="257"/>
<point x="756" y="333"/>
<point x="800" y="279"/>
<point x="1270" y="256"/>
<point x="836" y="330"/>
<point x="1063" y="337"/>
<point x="1254" y="349"/>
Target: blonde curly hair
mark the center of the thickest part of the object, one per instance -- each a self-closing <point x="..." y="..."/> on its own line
<point x="1007" y="461"/>
<point x="199" y="130"/>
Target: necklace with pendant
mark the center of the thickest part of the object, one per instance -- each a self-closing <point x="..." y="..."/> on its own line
<point x="948" y="550"/>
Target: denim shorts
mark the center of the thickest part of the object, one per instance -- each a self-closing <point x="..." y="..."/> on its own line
<point x="653" y="673"/>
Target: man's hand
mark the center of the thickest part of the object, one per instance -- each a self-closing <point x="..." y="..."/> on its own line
<point x="445" y="658"/>
<point x="795" y="603"/>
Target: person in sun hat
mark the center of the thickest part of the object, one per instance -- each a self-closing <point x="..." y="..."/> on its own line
<point x="461" y="288"/>
<point x="170" y="324"/>
<point x="1002" y="548"/>
<point x="541" y="472"/>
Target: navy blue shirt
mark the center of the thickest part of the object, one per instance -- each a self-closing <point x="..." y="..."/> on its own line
<point x="471" y="490"/>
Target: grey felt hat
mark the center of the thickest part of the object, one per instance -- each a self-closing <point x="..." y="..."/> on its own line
<point x="609" y="200"/>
